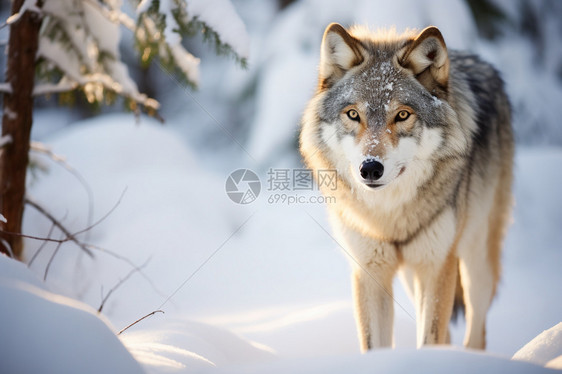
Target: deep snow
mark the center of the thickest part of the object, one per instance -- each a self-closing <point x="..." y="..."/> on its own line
<point x="42" y="332"/>
<point x="279" y="287"/>
<point x="261" y="287"/>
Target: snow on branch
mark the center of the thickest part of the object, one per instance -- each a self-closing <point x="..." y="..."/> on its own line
<point x="81" y="40"/>
<point x="162" y="25"/>
<point x="6" y="87"/>
<point x="158" y="35"/>
<point x="221" y="18"/>
<point x="64" y="85"/>
<point x="4" y="141"/>
<point x="28" y="5"/>
<point x="79" y="43"/>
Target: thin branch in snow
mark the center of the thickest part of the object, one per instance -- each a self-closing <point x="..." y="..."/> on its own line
<point x="133" y="271"/>
<point x="69" y="236"/>
<point x="88" y="248"/>
<point x="130" y="263"/>
<point x="51" y="261"/>
<point x="33" y="237"/>
<point x="48" y="239"/>
<point x="41" y="246"/>
<point x="105" y="216"/>
<point x="36" y="237"/>
<point x="139" y="320"/>
<point x="60" y="226"/>
<point x="112" y="254"/>
<point x="42" y="148"/>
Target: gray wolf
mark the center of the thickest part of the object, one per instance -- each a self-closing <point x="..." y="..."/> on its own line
<point x="421" y="139"/>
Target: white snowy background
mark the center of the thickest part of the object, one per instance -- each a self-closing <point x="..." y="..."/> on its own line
<point x="263" y="287"/>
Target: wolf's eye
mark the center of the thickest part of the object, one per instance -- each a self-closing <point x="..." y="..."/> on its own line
<point x="353" y="115"/>
<point x="402" y="116"/>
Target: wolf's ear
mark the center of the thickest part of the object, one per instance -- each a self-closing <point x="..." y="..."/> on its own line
<point x="339" y="52"/>
<point x="426" y="56"/>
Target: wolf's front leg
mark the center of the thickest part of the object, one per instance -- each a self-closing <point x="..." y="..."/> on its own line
<point x="374" y="309"/>
<point x="434" y="293"/>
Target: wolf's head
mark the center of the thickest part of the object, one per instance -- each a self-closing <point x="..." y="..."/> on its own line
<point x="382" y="105"/>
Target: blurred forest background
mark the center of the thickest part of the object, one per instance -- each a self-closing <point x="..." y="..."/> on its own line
<point x="261" y="106"/>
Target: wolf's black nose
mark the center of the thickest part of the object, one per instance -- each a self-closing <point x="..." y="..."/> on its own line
<point x="371" y="170"/>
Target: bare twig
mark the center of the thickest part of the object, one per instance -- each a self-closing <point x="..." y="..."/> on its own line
<point x="41" y="246"/>
<point x="140" y="319"/>
<point x="35" y="237"/>
<point x="105" y="216"/>
<point x="42" y="148"/>
<point x="69" y="236"/>
<point x="88" y="248"/>
<point x="60" y="226"/>
<point x="51" y="261"/>
<point x="112" y="254"/>
<point x="92" y="247"/>
<point x="132" y="264"/>
<point x="133" y="271"/>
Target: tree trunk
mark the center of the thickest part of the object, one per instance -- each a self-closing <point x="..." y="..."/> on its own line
<point x="16" y="122"/>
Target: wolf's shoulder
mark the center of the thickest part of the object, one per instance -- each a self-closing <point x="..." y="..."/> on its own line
<point x="487" y="97"/>
<point x="472" y="67"/>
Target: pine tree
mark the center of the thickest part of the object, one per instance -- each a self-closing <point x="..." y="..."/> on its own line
<point x="64" y="46"/>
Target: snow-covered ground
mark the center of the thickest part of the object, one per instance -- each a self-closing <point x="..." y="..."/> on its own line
<point x="244" y="288"/>
<point x="261" y="287"/>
